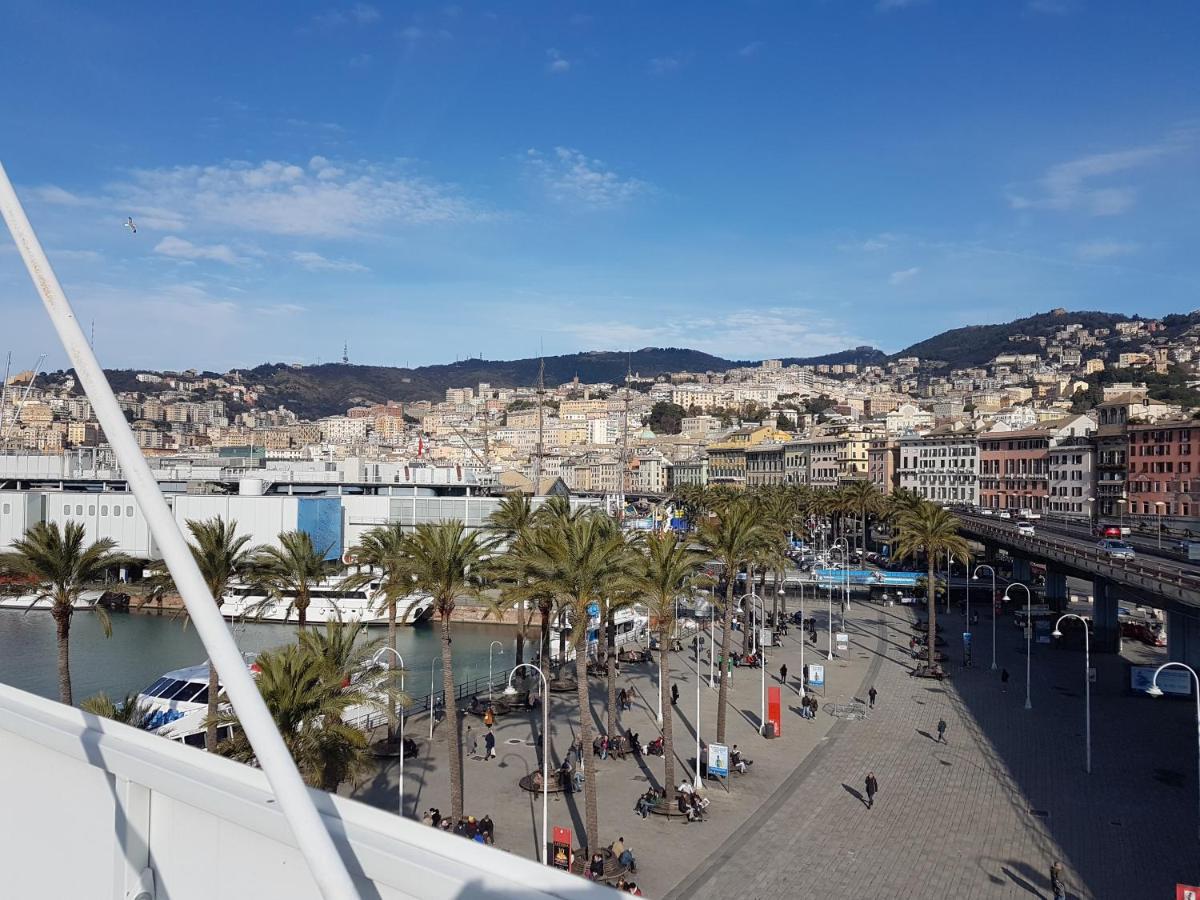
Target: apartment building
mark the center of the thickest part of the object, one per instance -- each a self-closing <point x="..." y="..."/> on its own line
<point x="941" y="465"/>
<point x="1164" y="469"/>
<point x="1014" y="466"/>
<point x="765" y="465"/>
<point x="883" y="464"/>
<point x="1073" y="478"/>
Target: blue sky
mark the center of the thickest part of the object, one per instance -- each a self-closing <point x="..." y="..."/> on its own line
<point x="753" y="179"/>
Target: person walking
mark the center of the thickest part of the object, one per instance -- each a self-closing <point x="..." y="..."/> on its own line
<point x="674" y="693"/>
<point x="871" y="695"/>
<point x="1057" y="885"/>
<point x="872" y="789"/>
<point x="473" y="741"/>
<point x="489" y="743"/>
<point x="783" y="674"/>
<point x="1004" y="681"/>
<point x="941" y="729"/>
<point x="621" y="698"/>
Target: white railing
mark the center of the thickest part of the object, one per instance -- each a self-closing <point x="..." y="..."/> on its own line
<point x="138" y="817"/>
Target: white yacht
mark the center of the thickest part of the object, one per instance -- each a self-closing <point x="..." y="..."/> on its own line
<point x="328" y="602"/>
<point x="631" y="629"/>
<point x="178" y="704"/>
<point x="27" y="602"/>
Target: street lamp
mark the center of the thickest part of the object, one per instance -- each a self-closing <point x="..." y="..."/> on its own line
<point x="975" y="577"/>
<point x="1028" y="634"/>
<point x="762" y="661"/>
<point x="1156" y="691"/>
<point x="845" y="572"/>
<point x="490" y="646"/>
<point x="696" y="782"/>
<point x="712" y="614"/>
<point x="400" y="659"/>
<point x="829" y="597"/>
<point x="1087" y="680"/>
<point x="511" y="691"/>
<point x="432" y="693"/>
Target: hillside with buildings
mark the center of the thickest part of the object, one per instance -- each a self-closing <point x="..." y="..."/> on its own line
<point x="1053" y="413"/>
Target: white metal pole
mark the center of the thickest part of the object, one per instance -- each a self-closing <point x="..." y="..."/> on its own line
<point x="1196" y="678"/>
<point x="492" y="644"/>
<point x="312" y="838"/>
<point x="697" y="782"/>
<point x="829" y="597"/>
<point x="711" y="638"/>
<point x="1028" y="636"/>
<point x="432" y="696"/>
<point x="545" y="855"/>
<point x="1087" y="689"/>
<point x="375" y="659"/>
<point x="803" y="639"/>
<point x="993" y="601"/>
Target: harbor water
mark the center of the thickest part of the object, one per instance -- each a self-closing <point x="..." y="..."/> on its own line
<point x="143" y="646"/>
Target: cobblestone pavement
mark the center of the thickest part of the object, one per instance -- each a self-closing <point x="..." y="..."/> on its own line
<point x="667" y="849"/>
<point x="985" y="814"/>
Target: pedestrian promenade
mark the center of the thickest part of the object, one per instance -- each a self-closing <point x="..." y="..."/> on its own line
<point x="985" y="814"/>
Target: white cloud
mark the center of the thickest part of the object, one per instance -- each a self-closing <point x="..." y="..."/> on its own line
<point x="178" y="248"/>
<point x="315" y="262"/>
<point x="557" y="64"/>
<point x="662" y="65"/>
<point x="76" y="255"/>
<point x="58" y="196"/>
<point x="904" y="275"/>
<point x="317" y="200"/>
<point x="752" y="49"/>
<point x="1072" y="185"/>
<point x="573" y="179"/>
<point x="279" y="310"/>
<point x="740" y="334"/>
<point x="1099" y="250"/>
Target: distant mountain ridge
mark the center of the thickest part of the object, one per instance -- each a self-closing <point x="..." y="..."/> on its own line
<point x="331" y="388"/>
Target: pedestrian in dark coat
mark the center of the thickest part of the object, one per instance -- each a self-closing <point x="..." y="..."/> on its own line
<point x="674" y="694"/>
<point x="489" y="743"/>
<point x="1004" y="680"/>
<point x="783" y="674"/>
<point x="1057" y="885"/>
<point x="941" y="731"/>
<point x="872" y="694"/>
<point x="872" y="789"/>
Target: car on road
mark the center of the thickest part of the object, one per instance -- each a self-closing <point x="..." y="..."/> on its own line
<point x="1025" y="529"/>
<point x="1115" y="549"/>
<point x="1005" y="514"/>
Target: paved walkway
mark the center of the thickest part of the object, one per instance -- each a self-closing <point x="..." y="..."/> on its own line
<point x="985" y="814"/>
<point x="667" y="849"/>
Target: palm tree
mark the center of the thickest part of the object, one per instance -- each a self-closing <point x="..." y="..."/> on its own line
<point x="383" y="551"/>
<point x="579" y="559"/>
<point x="289" y="571"/>
<point x="732" y="540"/>
<point x="61" y="565"/>
<point x="667" y="568"/>
<point x="223" y="556"/>
<point x="128" y="711"/>
<point x="621" y="597"/>
<point x="864" y="498"/>
<point x="449" y="562"/>
<point x="511" y="519"/>
<point x="932" y="530"/>
<point x="306" y="697"/>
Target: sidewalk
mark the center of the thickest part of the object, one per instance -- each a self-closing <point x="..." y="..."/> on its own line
<point x="984" y="815"/>
<point x="666" y="849"/>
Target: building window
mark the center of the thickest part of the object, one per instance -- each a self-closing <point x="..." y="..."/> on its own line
<point x="117" y="511"/>
<point x="129" y="511"/>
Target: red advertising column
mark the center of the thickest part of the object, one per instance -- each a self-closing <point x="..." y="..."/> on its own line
<point x="560" y="856"/>
<point x="774" y="710"/>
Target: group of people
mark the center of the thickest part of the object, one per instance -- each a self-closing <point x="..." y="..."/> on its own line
<point x="690" y="802"/>
<point x="489" y="743"/>
<point x="618" y="745"/>
<point x="482" y="831"/>
<point x="808" y="707"/>
<point x="569" y="780"/>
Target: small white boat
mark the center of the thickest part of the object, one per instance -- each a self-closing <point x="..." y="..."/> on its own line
<point x="177" y="703"/>
<point x="328" y="602"/>
<point x="26" y="602"/>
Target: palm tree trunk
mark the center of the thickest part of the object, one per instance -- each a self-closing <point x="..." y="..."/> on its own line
<point x="723" y="693"/>
<point x="302" y="610"/>
<point x="610" y="643"/>
<point x="544" y="608"/>
<point x="210" y="723"/>
<point x="664" y="679"/>
<point x="932" y="648"/>
<point x="62" y="623"/>
<point x="453" y="738"/>
<point x="391" y="642"/>
<point x="592" y="813"/>
<point x="521" y="622"/>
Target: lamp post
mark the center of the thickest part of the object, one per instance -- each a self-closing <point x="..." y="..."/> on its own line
<point x="975" y="577"/>
<point x="829" y="597"/>
<point x="845" y="573"/>
<point x="490" y="646"/>
<point x="1028" y="634"/>
<point x="948" y="582"/>
<point x="1087" y="681"/>
<point x="510" y="690"/>
<point x="1158" y="508"/>
<point x="432" y="693"/>
<point x="802" y="638"/>
<point x="762" y="662"/>
<point x="712" y="614"/>
<point x="1156" y="691"/>
<point x="400" y="659"/>
<point x="696" y="782"/>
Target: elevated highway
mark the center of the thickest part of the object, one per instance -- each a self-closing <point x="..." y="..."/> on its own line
<point x="1170" y="585"/>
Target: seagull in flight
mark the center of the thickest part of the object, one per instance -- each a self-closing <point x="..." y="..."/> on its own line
<point x="130" y="224"/>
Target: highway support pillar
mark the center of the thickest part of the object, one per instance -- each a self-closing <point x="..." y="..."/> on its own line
<point x="1022" y="571"/>
<point x="1056" y="590"/>
<point x="1106" y="631"/>
<point x="1183" y="639"/>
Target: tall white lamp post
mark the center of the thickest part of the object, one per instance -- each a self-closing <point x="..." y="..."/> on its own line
<point x="511" y="691"/>
<point x="1087" y="681"/>
<point x="1028" y="635"/>
<point x="400" y="659"/>
<point x="490" y="646"/>
<point x="1156" y="691"/>
<point x="975" y="577"/>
